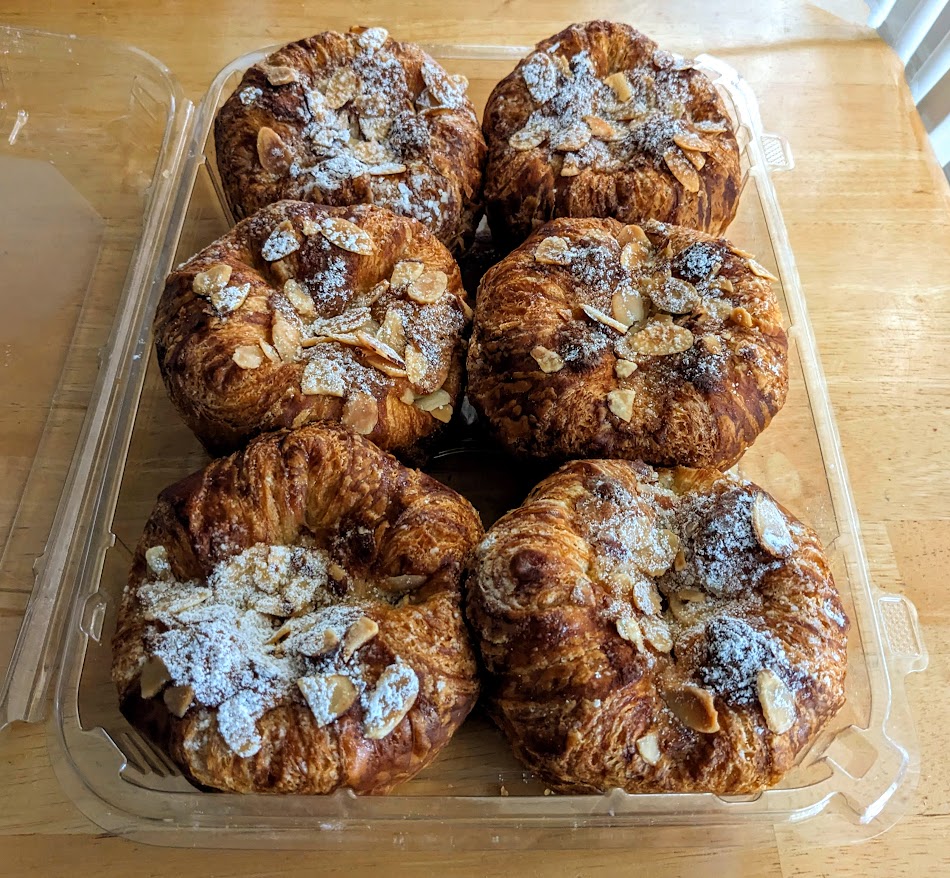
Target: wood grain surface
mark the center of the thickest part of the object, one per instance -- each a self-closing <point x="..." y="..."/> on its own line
<point x="867" y="211"/>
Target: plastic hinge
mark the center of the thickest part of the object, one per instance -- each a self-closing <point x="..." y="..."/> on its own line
<point x="778" y="154"/>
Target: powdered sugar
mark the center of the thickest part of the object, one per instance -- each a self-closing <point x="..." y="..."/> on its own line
<point x="249" y="95"/>
<point x="735" y="653"/>
<point x="280" y="243"/>
<point x="395" y="691"/>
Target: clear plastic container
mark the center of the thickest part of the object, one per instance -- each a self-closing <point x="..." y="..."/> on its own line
<point x="136" y="175"/>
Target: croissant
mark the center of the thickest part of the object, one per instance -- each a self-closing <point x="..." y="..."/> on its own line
<point x="306" y="313"/>
<point x="657" y="631"/>
<point x="354" y="118"/>
<point x="597" y="339"/>
<point x="599" y="121"/>
<point x="292" y="619"/>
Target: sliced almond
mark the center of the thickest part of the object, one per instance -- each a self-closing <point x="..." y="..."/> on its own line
<point x="431" y="401"/>
<point x="649" y="749"/>
<point x="285" y="337"/>
<point x="392" y="332"/>
<point x="428" y="287"/>
<point x="328" y="696"/>
<point x="696" y="159"/>
<point x="349" y="321"/>
<point x="417" y="367"/>
<point x="528" y="138"/>
<point x="342" y="87"/>
<point x="569" y="169"/>
<point x="770" y="527"/>
<point x="679" y="562"/>
<point x="336" y="572"/>
<point x="547" y="360"/>
<point x="627" y="306"/>
<point x="675" y="296"/>
<point x="408" y="396"/>
<point x="624" y="368"/>
<point x="180" y="602"/>
<point x="178" y="699"/>
<point x="629" y="630"/>
<point x="633" y="253"/>
<point x="659" y="339"/>
<point x="657" y="632"/>
<point x="563" y="65"/>
<point x="385" y="366"/>
<point x="280" y="75"/>
<point x="386" y="169"/>
<point x="646" y="598"/>
<point x="777" y="700"/>
<point x="760" y="270"/>
<point x="301" y="301"/>
<point x="682" y="169"/>
<point x="248" y="356"/>
<point x="405" y="582"/>
<point x="554" y="250"/>
<point x="571" y="139"/>
<point x="711" y="126"/>
<point x="346" y="235"/>
<point x="361" y="413"/>
<point x="391" y="699"/>
<point x="274" y="155"/>
<point x="620" y="402"/>
<point x="405" y="273"/>
<point x="281" y="242"/>
<point x="316" y="642"/>
<point x="230" y="298"/>
<point x="620" y="85"/>
<point x="443" y="413"/>
<point x="212" y="279"/>
<point x="738" y="251"/>
<point x="599" y="317"/>
<point x="602" y="128"/>
<point x="694" y="708"/>
<point x="741" y="317"/>
<point x="371" y="38"/>
<point x="633" y="233"/>
<point x="361" y="632"/>
<point x="689" y="140"/>
<point x="154" y="676"/>
<point x="655" y="556"/>
<point x="156" y="557"/>
<point x="723" y="284"/>
<point x="322" y="378"/>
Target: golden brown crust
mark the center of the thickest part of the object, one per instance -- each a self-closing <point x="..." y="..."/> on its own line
<point x="415" y="146"/>
<point x="716" y="376"/>
<point x="563" y="141"/>
<point x="588" y="655"/>
<point x="202" y="345"/>
<point x="329" y="489"/>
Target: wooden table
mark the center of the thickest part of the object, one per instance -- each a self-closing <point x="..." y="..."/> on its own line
<point x="867" y="211"/>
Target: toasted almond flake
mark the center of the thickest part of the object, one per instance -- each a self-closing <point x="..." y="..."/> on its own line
<point x="554" y="250"/>
<point x="528" y="138"/>
<point x="570" y="170"/>
<point x="392" y="332"/>
<point x="285" y="337"/>
<point x="248" y="356"/>
<point x="405" y="273"/>
<point x="283" y="270"/>
<point x="280" y="75"/>
<point x="563" y="64"/>
<point x="316" y="643"/>
<point x="361" y="413"/>
<point x="620" y="402"/>
<point x="600" y="317"/>
<point x="273" y="154"/>
<point x="723" y="284"/>
<point x="336" y="572"/>
<point x="679" y="562"/>
<point x="361" y="632"/>
<point x="760" y="270"/>
<point x="372" y="38"/>
<point x="777" y="700"/>
<point x="212" y="279"/>
<point x="154" y="676"/>
<point x="627" y="307"/>
<point x="633" y="253"/>
<point x="682" y="169"/>
<point x="689" y="140"/>
<point x="231" y="298"/>
<point x="321" y="378"/>
<point x="571" y="139"/>
<point x="658" y="339"/>
<point x="386" y="169"/>
<point x="657" y="632"/>
<point x="620" y="86"/>
<point x="385" y="366"/>
<point x="675" y="296"/>
<point x="390" y="700"/>
<point x="371" y="152"/>
<point x="443" y="413"/>
<point x="342" y="87"/>
<point x="656" y="556"/>
<point x="646" y="598"/>
<point x="710" y="126"/>
<point x="649" y="749"/>
<point x="380" y="349"/>
<point x="741" y="317"/>
<point x="431" y="401"/>
<point x="770" y="527"/>
<point x="694" y="708"/>
<point x="301" y="301"/>
<point x="629" y="630"/>
<point x="738" y="251"/>
<point x="633" y="232"/>
<point x="346" y="235"/>
<point x="428" y="287"/>
<point x="351" y="319"/>
<point x="178" y="699"/>
<point x="408" y="396"/>
<point x="328" y="696"/>
<point x="467" y="311"/>
<point x="311" y="227"/>
<point x="602" y="128"/>
<point x="281" y="242"/>
<point x="156" y="558"/>
<point x="417" y="367"/>
<point x="180" y="604"/>
<point x="405" y="582"/>
<point x="548" y="360"/>
<point x="696" y="159"/>
<point x="624" y="368"/>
